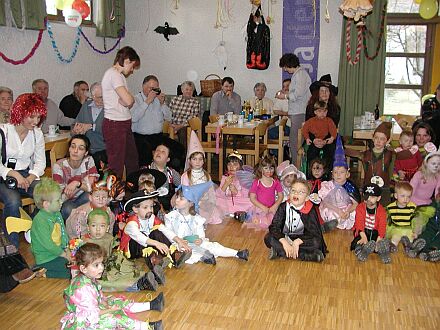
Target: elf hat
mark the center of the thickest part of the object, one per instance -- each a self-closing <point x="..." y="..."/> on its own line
<point x="339" y="159"/>
<point x="195" y="192"/>
<point x="385" y="128"/>
<point x="194" y="145"/>
<point x="285" y="169"/>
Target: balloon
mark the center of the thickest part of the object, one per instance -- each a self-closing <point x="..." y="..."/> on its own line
<point x="428" y="9"/>
<point x="72" y="17"/>
<point x="82" y="7"/>
<point x="192" y="75"/>
<point x="59" y="4"/>
<point x="417" y="1"/>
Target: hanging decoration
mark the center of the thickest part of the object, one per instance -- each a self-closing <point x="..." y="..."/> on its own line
<point x="55" y="47"/>
<point x="223" y="13"/>
<point x="103" y="52"/>
<point x="356" y="9"/>
<point x="166" y="30"/>
<point x="82" y="7"/>
<point x="222" y="54"/>
<point x="63" y="4"/>
<point x="72" y="17"/>
<point x="428" y="9"/>
<point x="327" y="13"/>
<point x="361" y="39"/>
<point x="258" y="42"/>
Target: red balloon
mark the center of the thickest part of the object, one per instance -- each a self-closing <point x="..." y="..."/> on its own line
<point x="82" y="7"/>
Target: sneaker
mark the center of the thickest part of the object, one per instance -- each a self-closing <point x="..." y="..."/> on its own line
<point x="366" y="250"/>
<point x="159" y="275"/>
<point x="423" y="256"/>
<point x="357" y="249"/>
<point x="24" y="275"/>
<point x="329" y="225"/>
<point x="179" y="258"/>
<point x="434" y="255"/>
<point x="316" y="256"/>
<point x="147" y="282"/>
<point x="157" y="303"/>
<point x="418" y="245"/>
<point x="406" y="244"/>
<point x="157" y="325"/>
<point x="209" y="260"/>
<point x="243" y="254"/>
<point x="383" y="249"/>
<point x="273" y="254"/>
<point x="393" y="248"/>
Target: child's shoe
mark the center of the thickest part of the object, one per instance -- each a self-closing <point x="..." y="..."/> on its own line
<point x="416" y="247"/>
<point x="393" y="247"/>
<point x="156" y="325"/>
<point x="157" y="303"/>
<point x="147" y="282"/>
<point x="423" y="256"/>
<point x="179" y="258"/>
<point x="383" y="250"/>
<point x="366" y="250"/>
<point x="159" y="275"/>
<point x="406" y="244"/>
<point x="434" y="255"/>
<point x="316" y="256"/>
<point x="210" y="260"/>
<point x="273" y="254"/>
<point x="329" y="225"/>
<point x="357" y="249"/>
<point x="243" y="255"/>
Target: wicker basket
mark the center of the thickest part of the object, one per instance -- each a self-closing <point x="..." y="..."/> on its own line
<point x="209" y="87"/>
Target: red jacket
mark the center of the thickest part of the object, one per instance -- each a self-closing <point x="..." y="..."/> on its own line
<point x="125" y="239"/>
<point x="380" y="223"/>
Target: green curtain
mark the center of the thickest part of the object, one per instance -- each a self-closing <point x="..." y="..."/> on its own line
<point x="34" y="10"/>
<point x="361" y="86"/>
<point x="105" y="27"/>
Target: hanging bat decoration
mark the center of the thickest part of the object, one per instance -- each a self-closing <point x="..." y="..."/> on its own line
<point x="166" y="30"/>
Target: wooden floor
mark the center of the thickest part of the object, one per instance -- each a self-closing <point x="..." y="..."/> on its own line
<point x="339" y="293"/>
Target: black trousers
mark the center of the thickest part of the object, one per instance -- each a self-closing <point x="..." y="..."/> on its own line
<point x="98" y="157"/>
<point x="308" y="246"/>
<point x="136" y="248"/>
<point x="371" y="235"/>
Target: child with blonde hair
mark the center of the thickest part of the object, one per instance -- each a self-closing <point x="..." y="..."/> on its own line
<point x="408" y="158"/>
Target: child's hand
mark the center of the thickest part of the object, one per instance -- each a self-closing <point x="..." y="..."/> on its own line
<point x="295" y="246"/>
<point x="289" y="249"/>
<point x="309" y="142"/>
<point x="182" y="245"/>
<point x="263" y="208"/>
<point x="401" y="174"/>
<point x="364" y="239"/>
<point x="233" y="189"/>
<point x="198" y="241"/>
<point x="273" y="209"/>
<point x="229" y="180"/>
<point x="162" y="247"/>
<point x="330" y="140"/>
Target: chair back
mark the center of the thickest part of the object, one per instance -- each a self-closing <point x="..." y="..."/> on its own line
<point x="58" y="151"/>
<point x="196" y="125"/>
<point x="213" y="118"/>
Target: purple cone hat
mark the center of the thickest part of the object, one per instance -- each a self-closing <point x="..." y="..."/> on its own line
<point x="339" y="159"/>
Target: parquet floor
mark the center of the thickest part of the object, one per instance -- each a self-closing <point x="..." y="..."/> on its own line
<point x="340" y="293"/>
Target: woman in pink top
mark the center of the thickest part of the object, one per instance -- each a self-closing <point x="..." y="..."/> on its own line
<point x="116" y="127"/>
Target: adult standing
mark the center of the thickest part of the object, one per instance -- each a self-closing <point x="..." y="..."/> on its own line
<point x="23" y="158"/>
<point x="6" y="98"/>
<point x="149" y="113"/>
<point x="298" y="96"/>
<point x="225" y="100"/>
<point x="323" y="90"/>
<point x="54" y="115"/>
<point x="116" y="127"/>
<point x="71" y="104"/>
<point x="89" y="122"/>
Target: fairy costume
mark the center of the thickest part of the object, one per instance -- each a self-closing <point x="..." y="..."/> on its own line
<point x="84" y="301"/>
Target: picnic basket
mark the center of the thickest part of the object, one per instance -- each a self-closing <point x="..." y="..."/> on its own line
<point x="210" y="86"/>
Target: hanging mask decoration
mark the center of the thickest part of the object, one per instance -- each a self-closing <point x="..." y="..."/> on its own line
<point x="356" y="9"/>
<point x="258" y="42"/>
<point x="377" y="180"/>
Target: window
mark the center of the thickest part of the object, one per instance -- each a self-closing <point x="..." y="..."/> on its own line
<point x="54" y="14"/>
<point x="408" y="58"/>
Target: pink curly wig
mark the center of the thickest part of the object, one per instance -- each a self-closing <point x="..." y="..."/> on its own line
<point x="26" y="105"/>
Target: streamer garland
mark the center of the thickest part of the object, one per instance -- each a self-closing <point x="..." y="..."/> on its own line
<point x="121" y="33"/>
<point x="28" y="56"/>
<point x="55" y="47"/>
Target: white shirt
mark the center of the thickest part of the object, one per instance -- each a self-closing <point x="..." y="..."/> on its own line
<point x="29" y="153"/>
<point x="181" y="226"/>
<point x="140" y="233"/>
<point x="282" y="105"/>
<point x="113" y="110"/>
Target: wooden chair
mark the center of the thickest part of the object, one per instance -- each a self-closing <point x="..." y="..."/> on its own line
<point x="300" y="149"/>
<point x="213" y="118"/>
<point x="195" y="124"/>
<point x="58" y="151"/>
<point x="277" y="144"/>
<point x="167" y="129"/>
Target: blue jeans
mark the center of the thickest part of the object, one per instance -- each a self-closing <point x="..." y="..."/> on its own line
<point x="11" y="198"/>
<point x="71" y="204"/>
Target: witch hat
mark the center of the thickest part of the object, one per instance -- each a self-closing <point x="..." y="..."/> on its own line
<point x="195" y="192"/>
<point x="339" y="158"/>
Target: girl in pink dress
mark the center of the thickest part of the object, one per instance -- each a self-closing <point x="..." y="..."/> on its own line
<point x="266" y="194"/>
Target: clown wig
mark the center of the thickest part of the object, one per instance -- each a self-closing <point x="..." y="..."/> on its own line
<point x="27" y="105"/>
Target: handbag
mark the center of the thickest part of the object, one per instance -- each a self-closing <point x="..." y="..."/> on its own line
<point x="210" y="86"/>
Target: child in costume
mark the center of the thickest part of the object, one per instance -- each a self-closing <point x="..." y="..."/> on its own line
<point x="196" y="174"/>
<point x="48" y="234"/>
<point x="120" y="273"/>
<point x="408" y="158"/>
<point x="144" y="233"/>
<point x="231" y="196"/>
<point x="288" y="173"/>
<point x="88" y="308"/>
<point x="370" y="226"/>
<point x="295" y="231"/>
<point x="186" y="225"/>
<point x="426" y="181"/>
<point x="339" y="197"/>
<point x="76" y="224"/>
<point x="319" y="133"/>
<point x="401" y="214"/>
<point x="317" y="170"/>
<point x="266" y="194"/>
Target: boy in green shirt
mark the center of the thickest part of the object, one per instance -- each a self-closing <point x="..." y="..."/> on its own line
<point x="48" y="234"/>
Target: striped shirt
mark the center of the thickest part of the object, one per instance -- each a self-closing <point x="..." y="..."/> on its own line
<point x="370" y="218"/>
<point x="401" y="216"/>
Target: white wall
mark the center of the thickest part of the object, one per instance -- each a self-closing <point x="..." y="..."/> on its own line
<point x="170" y="61"/>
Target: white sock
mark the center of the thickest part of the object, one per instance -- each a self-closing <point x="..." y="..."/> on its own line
<point x="139" y="307"/>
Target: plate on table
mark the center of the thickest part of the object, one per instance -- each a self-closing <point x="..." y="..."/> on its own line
<point x="52" y="136"/>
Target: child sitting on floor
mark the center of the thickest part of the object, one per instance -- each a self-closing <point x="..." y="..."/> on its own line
<point x="295" y="231"/>
<point x="408" y="158"/>
<point x="370" y="226"/>
<point x="339" y="197"/>
<point x="401" y="214"/>
<point x="266" y="194"/>
<point x="186" y="225"/>
<point x="288" y="173"/>
<point x="48" y="234"/>
<point x="88" y="308"/>
<point x="231" y="195"/>
<point x="426" y="181"/>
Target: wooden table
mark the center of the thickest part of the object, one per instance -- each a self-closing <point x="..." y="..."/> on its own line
<point x="49" y="141"/>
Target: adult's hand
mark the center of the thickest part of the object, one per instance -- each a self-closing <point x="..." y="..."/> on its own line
<point x="21" y="181"/>
<point x="319" y="143"/>
<point x="150" y="97"/>
<point x="71" y="189"/>
<point x="161" y="98"/>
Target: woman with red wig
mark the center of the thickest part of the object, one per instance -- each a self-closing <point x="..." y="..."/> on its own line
<point x="22" y="153"/>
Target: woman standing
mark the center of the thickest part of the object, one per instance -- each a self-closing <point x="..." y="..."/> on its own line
<point x="22" y="153"/>
<point x="6" y="98"/>
<point x="76" y="174"/>
<point x="116" y="127"/>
